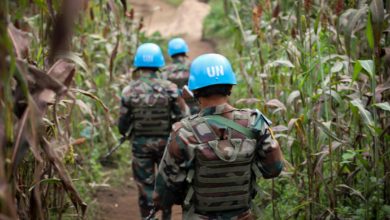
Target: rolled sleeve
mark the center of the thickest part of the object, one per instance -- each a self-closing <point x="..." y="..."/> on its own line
<point x="270" y="155"/>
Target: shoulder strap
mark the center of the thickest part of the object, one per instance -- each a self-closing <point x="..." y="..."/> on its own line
<point x="231" y="124"/>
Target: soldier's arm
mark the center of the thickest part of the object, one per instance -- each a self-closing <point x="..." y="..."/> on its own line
<point x="269" y="154"/>
<point x="179" y="106"/>
<point x="171" y="178"/>
<point x="124" y="121"/>
<point x="184" y="109"/>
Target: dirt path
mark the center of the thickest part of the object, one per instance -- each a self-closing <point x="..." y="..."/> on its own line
<point x="121" y="203"/>
<point x="186" y="22"/>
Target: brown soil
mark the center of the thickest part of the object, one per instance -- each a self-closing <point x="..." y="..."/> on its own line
<point x="115" y="203"/>
<point x="185" y="21"/>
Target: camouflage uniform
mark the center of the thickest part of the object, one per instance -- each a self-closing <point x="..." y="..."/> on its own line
<point x="217" y="163"/>
<point x="149" y="107"/>
<point x="178" y="73"/>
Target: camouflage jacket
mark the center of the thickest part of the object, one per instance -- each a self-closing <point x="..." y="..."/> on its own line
<point x="178" y="73"/>
<point x="184" y="145"/>
<point x="149" y="103"/>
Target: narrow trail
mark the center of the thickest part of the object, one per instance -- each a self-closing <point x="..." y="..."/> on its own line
<point x="185" y="21"/>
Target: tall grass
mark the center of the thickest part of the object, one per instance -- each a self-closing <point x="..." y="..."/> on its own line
<point x="63" y="65"/>
<point x="314" y="67"/>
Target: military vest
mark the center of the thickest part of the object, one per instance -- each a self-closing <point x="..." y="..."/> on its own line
<point x="151" y="111"/>
<point x="222" y="177"/>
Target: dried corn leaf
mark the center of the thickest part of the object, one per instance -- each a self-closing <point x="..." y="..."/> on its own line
<point x="39" y="78"/>
<point x="276" y="104"/>
<point x="20" y="40"/>
<point x="64" y="176"/>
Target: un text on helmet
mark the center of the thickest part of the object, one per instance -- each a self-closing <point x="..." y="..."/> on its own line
<point x="147" y="58"/>
<point x="213" y="71"/>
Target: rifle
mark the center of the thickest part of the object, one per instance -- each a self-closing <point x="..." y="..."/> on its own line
<point x="112" y="150"/>
<point x="104" y="160"/>
<point x="152" y="213"/>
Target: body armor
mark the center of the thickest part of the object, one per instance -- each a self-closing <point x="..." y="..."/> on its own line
<point x="151" y="112"/>
<point x="222" y="173"/>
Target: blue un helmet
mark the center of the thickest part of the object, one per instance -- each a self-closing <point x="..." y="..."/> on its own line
<point x="149" y="55"/>
<point x="176" y="46"/>
<point x="210" y="69"/>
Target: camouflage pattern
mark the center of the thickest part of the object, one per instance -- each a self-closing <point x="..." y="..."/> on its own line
<point x="178" y="73"/>
<point x="147" y="153"/>
<point x="197" y="145"/>
<point x="148" y="106"/>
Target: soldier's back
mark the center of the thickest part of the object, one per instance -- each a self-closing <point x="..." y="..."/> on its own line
<point x="177" y="73"/>
<point x="150" y="100"/>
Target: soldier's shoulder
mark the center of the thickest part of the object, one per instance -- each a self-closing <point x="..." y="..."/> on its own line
<point x="168" y="68"/>
<point x="126" y="91"/>
<point x="167" y="84"/>
<point x="186" y="123"/>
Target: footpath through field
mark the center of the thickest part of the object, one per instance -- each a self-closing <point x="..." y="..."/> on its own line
<point x="185" y="21"/>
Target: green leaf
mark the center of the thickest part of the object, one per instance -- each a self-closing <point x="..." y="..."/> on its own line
<point x="384" y="106"/>
<point x="365" y="114"/>
<point x="370" y="32"/>
<point x="386" y="209"/>
<point x="349" y="155"/>
<point x="367" y="65"/>
<point x="356" y="70"/>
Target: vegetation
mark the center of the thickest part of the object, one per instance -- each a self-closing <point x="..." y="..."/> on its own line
<point x="320" y="71"/>
<point x="65" y="62"/>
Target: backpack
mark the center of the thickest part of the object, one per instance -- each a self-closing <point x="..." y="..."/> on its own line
<point x="223" y="175"/>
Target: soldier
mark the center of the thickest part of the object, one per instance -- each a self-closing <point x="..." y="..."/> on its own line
<point x="213" y="158"/>
<point x="178" y="70"/>
<point x="149" y="107"/>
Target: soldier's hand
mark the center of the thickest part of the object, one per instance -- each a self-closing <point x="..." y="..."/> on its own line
<point x="187" y="94"/>
<point x="156" y="201"/>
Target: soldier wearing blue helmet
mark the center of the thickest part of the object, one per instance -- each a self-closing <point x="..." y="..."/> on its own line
<point x="149" y="107"/>
<point x="213" y="158"/>
<point x="178" y="70"/>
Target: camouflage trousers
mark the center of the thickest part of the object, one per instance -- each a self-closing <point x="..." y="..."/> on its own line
<point x="147" y="153"/>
